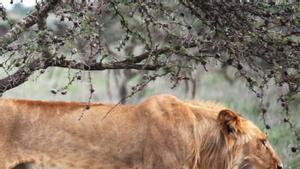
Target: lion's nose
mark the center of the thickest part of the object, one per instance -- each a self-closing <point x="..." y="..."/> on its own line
<point x="279" y="166"/>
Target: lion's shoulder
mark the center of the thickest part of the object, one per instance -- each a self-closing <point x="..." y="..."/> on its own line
<point x="161" y="102"/>
<point x="208" y="104"/>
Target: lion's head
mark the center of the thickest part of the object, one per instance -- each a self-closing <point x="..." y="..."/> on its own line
<point x="248" y="147"/>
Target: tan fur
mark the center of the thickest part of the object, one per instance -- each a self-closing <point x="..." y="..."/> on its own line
<point x="160" y="133"/>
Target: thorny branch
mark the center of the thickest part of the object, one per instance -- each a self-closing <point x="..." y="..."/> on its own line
<point x="35" y="17"/>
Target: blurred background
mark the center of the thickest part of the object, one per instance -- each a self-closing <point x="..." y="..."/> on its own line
<point x="220" y="84"/>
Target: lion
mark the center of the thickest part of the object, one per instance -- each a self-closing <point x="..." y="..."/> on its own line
<point x="162" y="132"/>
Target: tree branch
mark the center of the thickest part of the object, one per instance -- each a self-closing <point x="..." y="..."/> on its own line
<point x="27" y="22"/>
<point x="26" y="71"/>
<point x="103" y="66"/>
<point x="20" y="76"/>
<point x="165" y="50"/>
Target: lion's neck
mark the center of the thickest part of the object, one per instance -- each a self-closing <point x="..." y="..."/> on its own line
<point x="213" y="149"/>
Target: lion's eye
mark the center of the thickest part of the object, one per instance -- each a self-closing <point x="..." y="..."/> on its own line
<point x="264" y="142"/>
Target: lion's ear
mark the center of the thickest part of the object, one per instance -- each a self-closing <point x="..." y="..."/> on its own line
<point x="229" y="121"/>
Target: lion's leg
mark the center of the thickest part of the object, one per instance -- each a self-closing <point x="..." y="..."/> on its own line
<point x="2" y="157"/>
<point x="156" y="159"/>
<point x="1" y="164"/>
<point x="161" y="152"/>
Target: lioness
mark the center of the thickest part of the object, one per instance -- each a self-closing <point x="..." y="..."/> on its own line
<point x="160" y="133"/>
